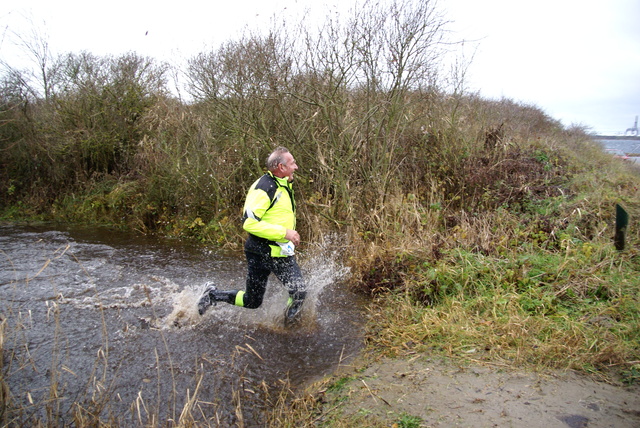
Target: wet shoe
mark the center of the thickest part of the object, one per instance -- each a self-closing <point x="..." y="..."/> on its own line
<point x="293" y="312"/>
<point x="207" y="298"/>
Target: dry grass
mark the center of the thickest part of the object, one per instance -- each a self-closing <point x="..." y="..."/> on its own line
<point x="561" y="303"/>
<point x="503" y="333"/>
<point x="5" y="400"/>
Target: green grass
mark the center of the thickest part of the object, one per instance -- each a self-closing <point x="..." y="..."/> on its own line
<point x="339" y="384"/>
<point x="577" y="308"/>
<point x="408" y="421"/>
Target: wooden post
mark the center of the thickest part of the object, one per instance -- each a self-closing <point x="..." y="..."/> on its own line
<point x="622" y="221"/>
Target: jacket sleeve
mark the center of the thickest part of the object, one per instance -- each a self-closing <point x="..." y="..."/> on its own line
<point x="255" y="206"/>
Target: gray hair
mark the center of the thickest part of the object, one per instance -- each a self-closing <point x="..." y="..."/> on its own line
<point x="276" y="158"/>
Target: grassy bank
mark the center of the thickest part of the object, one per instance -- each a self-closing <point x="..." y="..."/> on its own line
<point x="543" y="288"/>
<point x="540" y="290"/>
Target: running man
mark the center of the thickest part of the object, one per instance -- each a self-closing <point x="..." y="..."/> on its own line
<point x="269" y="216"/>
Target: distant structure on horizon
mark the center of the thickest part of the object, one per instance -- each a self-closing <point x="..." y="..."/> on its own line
<point x="634" y="130"/>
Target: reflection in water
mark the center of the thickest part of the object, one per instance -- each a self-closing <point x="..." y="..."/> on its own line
<point x="107" y="322"/>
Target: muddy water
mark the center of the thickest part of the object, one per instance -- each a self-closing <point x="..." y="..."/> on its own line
<point x="106" y="321"/>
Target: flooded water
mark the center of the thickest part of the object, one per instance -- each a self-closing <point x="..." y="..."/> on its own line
<point x="106" y="322"/>
<point x="629" y="146"/>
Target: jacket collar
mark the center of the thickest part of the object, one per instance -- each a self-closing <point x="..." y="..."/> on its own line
<point x="281" y="181"/>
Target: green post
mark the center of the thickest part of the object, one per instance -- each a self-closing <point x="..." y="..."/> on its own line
<point x="622" y="221"/>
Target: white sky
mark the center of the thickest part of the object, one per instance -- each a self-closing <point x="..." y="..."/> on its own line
<point x="578" y="60"/>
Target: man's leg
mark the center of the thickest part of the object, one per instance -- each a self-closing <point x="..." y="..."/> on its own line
<point x="289" y="273"/>
<point x="258" y="271"/>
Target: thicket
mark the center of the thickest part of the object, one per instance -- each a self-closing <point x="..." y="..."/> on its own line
<point x="385" y="146"/>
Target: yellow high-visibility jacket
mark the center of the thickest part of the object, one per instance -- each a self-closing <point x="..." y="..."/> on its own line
<point x="269" y="210"/>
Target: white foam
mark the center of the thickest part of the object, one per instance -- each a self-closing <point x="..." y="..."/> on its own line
<point x="157" y="291"/>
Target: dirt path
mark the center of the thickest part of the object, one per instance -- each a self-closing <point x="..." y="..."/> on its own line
<point x="443" y="395"/>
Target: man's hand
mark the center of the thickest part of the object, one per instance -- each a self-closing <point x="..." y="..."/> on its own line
<point x="293" y="236"/>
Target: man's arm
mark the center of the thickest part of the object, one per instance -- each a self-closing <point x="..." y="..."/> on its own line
<point x="256" y="205"/>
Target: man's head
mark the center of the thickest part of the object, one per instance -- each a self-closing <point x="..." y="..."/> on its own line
<point x="281" y="163"/>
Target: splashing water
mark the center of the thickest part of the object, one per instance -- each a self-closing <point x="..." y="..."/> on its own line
<point x="321" y="268"/>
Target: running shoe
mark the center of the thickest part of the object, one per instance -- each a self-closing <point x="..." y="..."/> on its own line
<point x="207" y="298"/>
<point x="293" y="311"/>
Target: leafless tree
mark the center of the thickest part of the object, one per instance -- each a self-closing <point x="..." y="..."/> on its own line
<point x="34" y="44"/>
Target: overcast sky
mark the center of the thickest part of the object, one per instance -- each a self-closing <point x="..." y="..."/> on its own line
<point x="578" y="60"/>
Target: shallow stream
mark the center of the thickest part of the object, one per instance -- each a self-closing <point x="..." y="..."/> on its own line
<point x="106" y="322"/>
